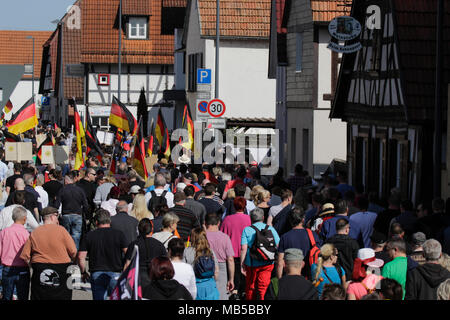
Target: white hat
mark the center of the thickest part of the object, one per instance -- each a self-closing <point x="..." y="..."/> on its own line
<point x="184" y="159"/>
<point x="181" y="186"/>
<point x="135" y="189"/>
<point x="368" y="253"/>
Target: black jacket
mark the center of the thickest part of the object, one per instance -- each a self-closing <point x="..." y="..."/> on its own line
<point x="166" y="290"/>
<point x="423" y="281"/>
<point x="347" y="252"/>
<point x="292" y="287"/>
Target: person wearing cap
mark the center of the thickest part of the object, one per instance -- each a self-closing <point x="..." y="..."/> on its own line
<point x="417" y="240"/>
<point x="422" y="282"/>
<point x="326" y="213"/>
<point x="365" y="220"/>
<point x="341" y="212"/>
<point x="366" y="274"/>
<point x="292" y="286"/>
<point x="378" y="245"/>
<point x="50" y="250"/>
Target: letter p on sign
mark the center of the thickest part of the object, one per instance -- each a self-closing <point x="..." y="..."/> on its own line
<point x="204" y="76"/>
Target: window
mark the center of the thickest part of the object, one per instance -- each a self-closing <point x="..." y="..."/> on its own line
<point x="100" y="122"/>
<point x="195" y="62"/>
<point x="299" y="52"/>
<point x="137" y="28"/>
<point x="28" y="69"/>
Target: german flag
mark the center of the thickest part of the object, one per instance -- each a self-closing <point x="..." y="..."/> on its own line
<point x="24" y="119"/>
<point x="151" y="140"/>
<point x="91" y="138"/>
<point x="162" y="135"/>
<point x="49" y="141"/>
<point x="8" y="107"/>
<point x="81" y="140"/>
<point x="188" y="124"/>
<point x="139" y="154"/>
<point x="122" y="118"/>
<point x="9" y="137"/>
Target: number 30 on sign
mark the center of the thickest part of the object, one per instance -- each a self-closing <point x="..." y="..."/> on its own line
<point x="216" y="108"/>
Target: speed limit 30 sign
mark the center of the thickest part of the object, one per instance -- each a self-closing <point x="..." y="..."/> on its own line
<point x="216" y="108"/>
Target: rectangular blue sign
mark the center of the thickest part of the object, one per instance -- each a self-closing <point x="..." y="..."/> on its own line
<point x="204" y="76"/>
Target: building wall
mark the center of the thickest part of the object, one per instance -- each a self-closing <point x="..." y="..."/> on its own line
<point x="243" y="83"/>
<point x="21" y="94"/>
<point x="149" y="77"/>
<point x="299" y="94"/>
<point x="305" y="91"/>
<point x="330" y="137"/>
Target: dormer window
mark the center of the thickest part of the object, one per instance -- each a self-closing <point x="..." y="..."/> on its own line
<point x="137" y="27"/>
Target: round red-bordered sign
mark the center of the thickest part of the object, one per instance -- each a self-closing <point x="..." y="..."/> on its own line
<point x="202" y="107"/>
<point x="216" y="108"/>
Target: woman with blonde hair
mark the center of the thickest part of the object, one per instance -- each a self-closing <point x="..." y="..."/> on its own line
<point x="139" y="209"/>
<point x="254" y="193"/>
<point x="205" y="264"/>
<point x="262" y="202"/>
<point x="326" y="270"/>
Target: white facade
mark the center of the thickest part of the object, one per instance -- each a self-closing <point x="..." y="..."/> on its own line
<point x="21" y="94"/>
<point x="330" y="136"/>
<point x="243" y="83"/>
<point x="153" y="78"/>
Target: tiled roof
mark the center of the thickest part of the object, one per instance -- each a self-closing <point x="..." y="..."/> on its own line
<point x="327" y="10"/>
<point x="244" y="18"/>
<point x="416" y="30"/>
<point x="136" y="7"/>
<point x="175" y="3"/>
<point x="100" y="36"/>
<point x="17" y="49"/>
<point x="73" y="87"/>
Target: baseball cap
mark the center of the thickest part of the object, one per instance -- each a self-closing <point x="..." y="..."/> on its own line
<point x="181" y="186"/>
<point x="188" y="176"/>
<point x="135" y="189"/>
<point x="293" y="254"/>
<point x="418" y="238"/>
<point x="378" y="237"/>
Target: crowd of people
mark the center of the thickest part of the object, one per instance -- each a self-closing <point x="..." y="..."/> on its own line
<point x="216" y="232"/>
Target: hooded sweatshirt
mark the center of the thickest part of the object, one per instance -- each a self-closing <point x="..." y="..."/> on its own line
<point x="166" y="290"/>
<point x="423" y="281"/>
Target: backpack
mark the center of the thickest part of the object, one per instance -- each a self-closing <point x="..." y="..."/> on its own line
<point x="157" y="200"/>
<point x="264" y="247"/>
<point x="204" y="267"/>
<point x="280" y="222"/>
<point x="314" y="251"/>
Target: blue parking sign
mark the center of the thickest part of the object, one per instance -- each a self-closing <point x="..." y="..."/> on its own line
<point x="204" y="76"/>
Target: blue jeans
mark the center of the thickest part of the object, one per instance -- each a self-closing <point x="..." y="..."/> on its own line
<point x="16" y="278"/>
<point x="73" y="224"/>
<point x="103" y="283"/>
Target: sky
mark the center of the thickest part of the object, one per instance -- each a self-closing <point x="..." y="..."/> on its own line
<point x="31" y="14"/>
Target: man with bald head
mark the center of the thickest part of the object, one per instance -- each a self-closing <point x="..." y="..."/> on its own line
<point x="31" y="202"/>
<point x="124" y="222"/>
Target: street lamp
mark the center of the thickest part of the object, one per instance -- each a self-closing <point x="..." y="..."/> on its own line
<point x="32" y="81"/>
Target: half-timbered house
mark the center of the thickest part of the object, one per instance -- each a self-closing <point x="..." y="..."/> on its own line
<point x="386" y="94"/>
